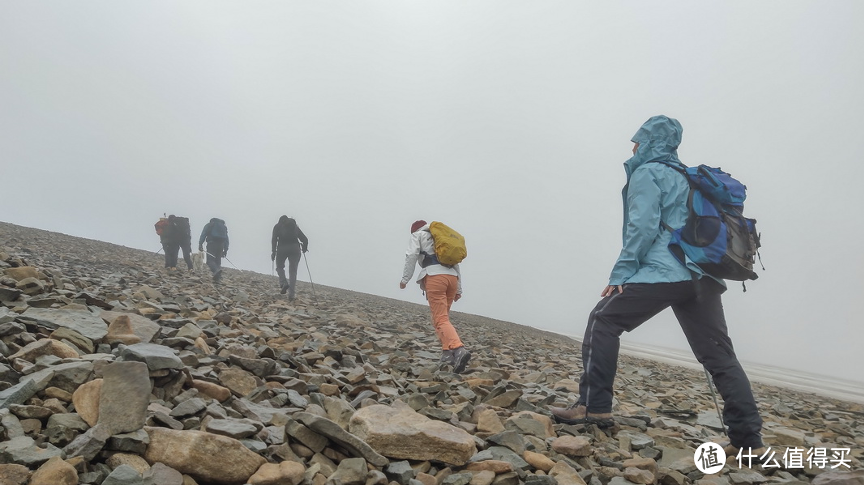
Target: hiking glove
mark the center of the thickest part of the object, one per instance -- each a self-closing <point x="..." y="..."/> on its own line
<point x="224" y="253"/>
<point x="305" y="249"/>
<point x="201" y="249"/>
<point x="273" y="256"/>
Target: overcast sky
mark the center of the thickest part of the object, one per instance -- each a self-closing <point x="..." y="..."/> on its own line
<point x="507" y="120"/>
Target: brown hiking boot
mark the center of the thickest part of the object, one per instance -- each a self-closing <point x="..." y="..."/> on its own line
<point x="578" y="414"/>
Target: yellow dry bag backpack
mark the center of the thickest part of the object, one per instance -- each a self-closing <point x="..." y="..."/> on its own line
<point x="449" y="244"/>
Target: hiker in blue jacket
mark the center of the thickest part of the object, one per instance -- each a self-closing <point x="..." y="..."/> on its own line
<point x="647" y="279"/>
<point x="215" y="233"/>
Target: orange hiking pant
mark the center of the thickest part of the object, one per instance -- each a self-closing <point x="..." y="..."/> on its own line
<point x="440" y="291"/>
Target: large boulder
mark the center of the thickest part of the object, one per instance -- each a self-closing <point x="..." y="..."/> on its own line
<point x="206" y="457"/>
<point x="400" y="432"/>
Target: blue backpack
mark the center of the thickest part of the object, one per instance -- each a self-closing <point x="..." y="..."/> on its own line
<point x="218" y="230"/>
<point x="716" y="237"/>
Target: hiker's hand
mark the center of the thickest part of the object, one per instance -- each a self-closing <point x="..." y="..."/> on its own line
<point x="200" y="249"/>
<point x="610" y="290"/>
<point x="402" y="285"/>
<point x="225" y="253"/>
<point x="457" y="297"/>
<point x="273" y="256"/>
<point x="305" y="249"/>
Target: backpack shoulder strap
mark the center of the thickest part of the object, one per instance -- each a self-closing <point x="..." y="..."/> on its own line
<point x="682" y="169"/>
<point x="677" y="166"/>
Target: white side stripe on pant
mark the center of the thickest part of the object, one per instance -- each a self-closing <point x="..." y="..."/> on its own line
<point x="590" y="333"/>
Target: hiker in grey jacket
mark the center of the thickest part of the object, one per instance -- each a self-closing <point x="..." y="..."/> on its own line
<point x="288" y="242"/>
<point x="215" y="233"/>
<point x="647" y="279"/>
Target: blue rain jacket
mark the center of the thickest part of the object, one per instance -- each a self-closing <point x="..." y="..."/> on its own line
<point x="653" y="193"/>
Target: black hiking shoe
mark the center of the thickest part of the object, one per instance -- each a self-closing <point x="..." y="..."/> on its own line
<point x="461" y="356"/>
<point x="446" y="358"/>
<point x="284" y="287"/>
<point x="217" y="276"/>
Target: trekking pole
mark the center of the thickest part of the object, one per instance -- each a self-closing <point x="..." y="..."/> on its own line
<point x="229" y="262"/>
<point x="716" y="404"/>
<point x="310" y="276"/>
<point x="223" y="257"/>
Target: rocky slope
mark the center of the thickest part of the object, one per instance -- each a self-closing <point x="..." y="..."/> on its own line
<point x="113" y="371"/>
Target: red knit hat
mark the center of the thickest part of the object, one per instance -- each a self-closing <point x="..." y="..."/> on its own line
<point x="417" y="225"/>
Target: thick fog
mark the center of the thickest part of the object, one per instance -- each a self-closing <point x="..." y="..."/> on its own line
<point x="507" y="120"/>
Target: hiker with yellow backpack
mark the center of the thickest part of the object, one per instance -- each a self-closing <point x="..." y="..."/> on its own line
<point x="438" y="250"/>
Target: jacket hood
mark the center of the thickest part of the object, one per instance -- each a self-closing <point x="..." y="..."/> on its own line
<point x="286" y="220"/>
<point x="658" y="139"/>
<point x="216" y="220"/>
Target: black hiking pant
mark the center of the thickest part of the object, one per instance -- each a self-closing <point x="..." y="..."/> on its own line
<point x="293" y="255"/>
<point x="214" y="256"/>
<point x="186" y="247"/>
<point x="170" y="253"/>
<point x="699" y="310"/>
<point x="171" y="249"/>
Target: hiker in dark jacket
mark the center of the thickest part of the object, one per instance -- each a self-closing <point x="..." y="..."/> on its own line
<point x="289" y="243"/>
<point x="646" y="280"/>
<point x="176" y="236"/>
<point x="216" y="235"/>
<point x="168" y="237"/>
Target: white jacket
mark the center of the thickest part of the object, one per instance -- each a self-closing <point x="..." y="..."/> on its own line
<point x="421" y="241"/>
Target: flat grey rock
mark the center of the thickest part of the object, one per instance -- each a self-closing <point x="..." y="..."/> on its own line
<point x="157" y="357"/>
<point x="334" y="432"/>
<point x="82" y="321"/>
<point x="23" y="451"/>
<point x="25" y="389"/>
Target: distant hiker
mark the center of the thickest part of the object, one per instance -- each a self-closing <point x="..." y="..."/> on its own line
<point x="216" y="235"/>
<point x="289" y="243"/>
<point x="442" y="285"/>
<point x="162" y="230"/>
<point x="177" y="235"/>
<point x="647" y="279"/>
<point x="184" y="234"/>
